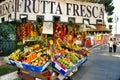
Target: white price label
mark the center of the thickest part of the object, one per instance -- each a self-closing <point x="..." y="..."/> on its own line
<point x="37" y="79"/>
<point x="57" y="66"/>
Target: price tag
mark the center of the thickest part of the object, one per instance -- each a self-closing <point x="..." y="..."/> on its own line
<point x="18" y="64"/>
<point x="37" y="79"/>
<point x="57" y="66"/>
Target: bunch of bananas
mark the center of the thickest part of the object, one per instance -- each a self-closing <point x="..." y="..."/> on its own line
<point x="16" y="54"/>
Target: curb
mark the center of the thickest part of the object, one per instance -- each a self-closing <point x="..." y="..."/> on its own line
<point x="95" y="46"/>
<point x="10" y="76"/>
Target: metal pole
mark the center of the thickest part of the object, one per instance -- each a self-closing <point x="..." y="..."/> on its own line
<point x="15" y="10"/>
<point x="115" y="25"/>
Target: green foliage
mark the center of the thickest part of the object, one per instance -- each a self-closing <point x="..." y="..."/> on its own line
<point x="110" y="19"/>
<point x="5" y="69"/>
<point x="6" y="29"/>
<point x="108" y="6"/>
<point x="110" y="27"/>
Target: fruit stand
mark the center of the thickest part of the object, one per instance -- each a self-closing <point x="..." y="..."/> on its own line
<point x="52" y="39"/>
<point x="43" y="51"/>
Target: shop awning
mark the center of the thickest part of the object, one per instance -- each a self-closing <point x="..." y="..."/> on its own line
<point x="99" y="27"/>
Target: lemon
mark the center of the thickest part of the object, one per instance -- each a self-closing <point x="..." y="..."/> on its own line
<point x="51" y="42"/>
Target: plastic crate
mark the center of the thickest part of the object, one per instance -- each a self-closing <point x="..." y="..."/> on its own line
<point x="81" y="61"/>
<point x="61" y="69"/>
<point x="26" y="66"/>
<point x="35" y="68"/>
<point x="12" y="62"/>
<point x="56" y="66"/>
<point x="67" y="71"/>
<point x="58" y="63"/>
<point x="19" y="64"/>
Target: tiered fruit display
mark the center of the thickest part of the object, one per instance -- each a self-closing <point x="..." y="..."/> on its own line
<point x="74" y="53"/>
<point x="36" y="59"/>
<point x="34" y="55"/>
<point x="81" y="51"/>
<point x="70" y="55"/>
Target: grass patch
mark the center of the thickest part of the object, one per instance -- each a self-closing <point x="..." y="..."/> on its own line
<point x="5" y="69"/>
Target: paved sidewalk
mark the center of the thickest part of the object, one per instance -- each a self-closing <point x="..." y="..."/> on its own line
<point x="94" y="46"/>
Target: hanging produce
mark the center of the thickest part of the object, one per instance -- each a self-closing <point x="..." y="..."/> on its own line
<point x="28" y="28"/>
<point x="23" y="31"/>
<point x="29" y="31"/>
<point x="18" y="32"/>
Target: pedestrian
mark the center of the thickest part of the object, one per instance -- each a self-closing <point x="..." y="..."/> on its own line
<point x="114" y="45"/>
<point x="110" y="43"/>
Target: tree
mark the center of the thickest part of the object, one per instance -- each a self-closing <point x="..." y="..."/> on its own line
<point x="108" y="6"/>
<point x="110" y="19"/>
<point x="110" y="27"/>
<point x="6" y="29"/>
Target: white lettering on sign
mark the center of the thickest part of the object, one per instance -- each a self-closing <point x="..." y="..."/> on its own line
<point x="62" y="8"/>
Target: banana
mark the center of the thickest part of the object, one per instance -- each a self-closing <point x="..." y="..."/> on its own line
<point x="39" y="54"/>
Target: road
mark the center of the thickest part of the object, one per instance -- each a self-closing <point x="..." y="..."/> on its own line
<point x="101" y="65"/>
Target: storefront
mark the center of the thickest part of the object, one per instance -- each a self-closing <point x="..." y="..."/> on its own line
<point x="100" y="33"/>
<point x="51" y="32"/>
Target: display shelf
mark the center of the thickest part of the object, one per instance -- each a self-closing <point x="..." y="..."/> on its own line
<point x="24" y="41"/>
<point x="35" y="68"/>
<point x="31" y="75"/>
<point x="67" y="71"/>
<point x="12" y="62"/>
<point x="28" y="66"/>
